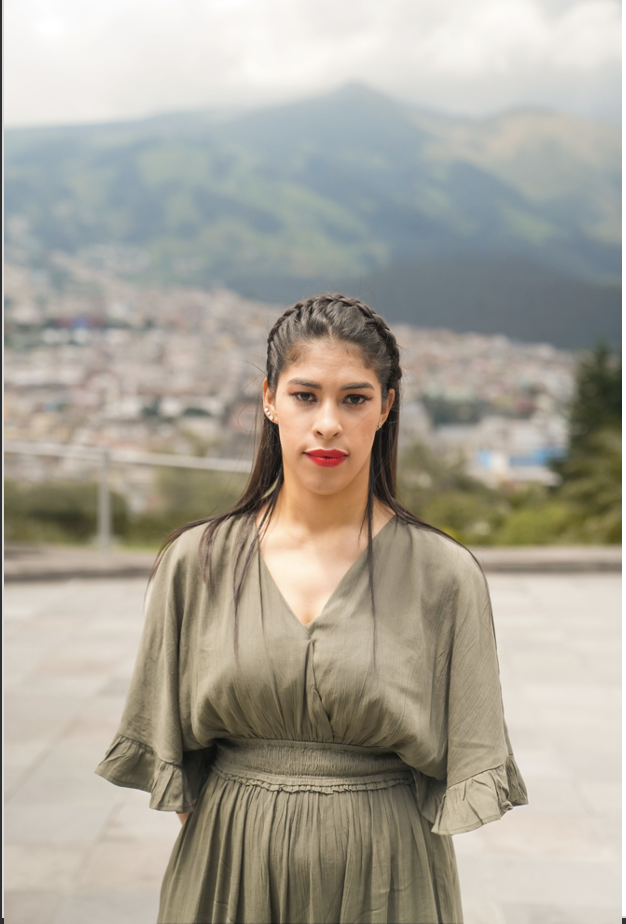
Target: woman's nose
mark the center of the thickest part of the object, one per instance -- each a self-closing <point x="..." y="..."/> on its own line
<point x="327" y="423"/>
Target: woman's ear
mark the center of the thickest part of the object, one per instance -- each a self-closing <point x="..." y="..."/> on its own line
<point x="268" y="403"/>
<point x="388" y="404"/>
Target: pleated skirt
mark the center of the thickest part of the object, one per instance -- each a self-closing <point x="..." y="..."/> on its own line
<point x="309" y="833"/>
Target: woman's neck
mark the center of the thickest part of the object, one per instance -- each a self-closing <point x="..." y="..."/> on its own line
<point x="303" y="513"/>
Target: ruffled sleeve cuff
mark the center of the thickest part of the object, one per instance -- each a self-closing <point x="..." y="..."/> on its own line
<point x="172" y="787"/>
<point x="473" y="802"/>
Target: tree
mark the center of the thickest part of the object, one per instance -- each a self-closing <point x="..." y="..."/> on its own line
<point x="591" y="471"/>
<point x="597" y="403"/>
<point x="592" y="486"/>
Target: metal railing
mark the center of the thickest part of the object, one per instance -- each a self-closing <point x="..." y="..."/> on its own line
<point x="104" y="458"/>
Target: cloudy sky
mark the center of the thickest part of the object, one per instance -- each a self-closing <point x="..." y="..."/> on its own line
<point x="70" y="61"/>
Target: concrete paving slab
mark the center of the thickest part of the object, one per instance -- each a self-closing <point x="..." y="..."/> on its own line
<point x="75" y="684"/>
<point x="532" y="834"/>
<point x="41" y="867"/>
<point x="601" y="797"/>
<point x="604" y="668"/>
<point x="609" y="828"/>
<point x="135" y="821"/>
<point x="55" y="824"/>
<point x="117" y="686"/>
<point x="479" y="911"/>
<point x="37" y="714"/>
<point x="556" y="796"/>
<point x="31" y="907"/>
<point x="116" y="865"/>
<point x="107" y="908"/>
<point x="563" y="883"/>
<point x="596" y="759"/>
<point x="33" y="598"/>
<point x="66" y="785"/>
<point x="561" y="914"/>
<point x="96" y="724"/>
<point x="40" y="788"/>
<point x="21" y="755"/>
<point x="539" y="763"/>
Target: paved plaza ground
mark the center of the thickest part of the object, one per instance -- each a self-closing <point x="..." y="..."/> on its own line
<point x="81" y="851"/>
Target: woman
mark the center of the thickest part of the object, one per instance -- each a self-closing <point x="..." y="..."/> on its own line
<point x="317" y="690"/>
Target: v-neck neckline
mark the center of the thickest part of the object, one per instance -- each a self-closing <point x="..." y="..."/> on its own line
<point x="357" y="561"/>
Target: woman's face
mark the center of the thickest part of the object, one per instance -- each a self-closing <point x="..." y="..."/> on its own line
<point x="328" y="406"/>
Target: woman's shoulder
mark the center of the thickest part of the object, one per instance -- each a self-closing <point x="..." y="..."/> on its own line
<point x="435" y="569"/>
<point x="186" y="551"/>
<point x="438" y="553"/>
<point x="184" y="571"/>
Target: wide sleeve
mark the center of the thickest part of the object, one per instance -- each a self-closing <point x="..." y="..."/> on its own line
<point x="154" y="749"/>
<point x="482" y="779"/>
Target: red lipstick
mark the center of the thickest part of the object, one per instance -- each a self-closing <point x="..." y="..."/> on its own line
<point x="327" y="457"/>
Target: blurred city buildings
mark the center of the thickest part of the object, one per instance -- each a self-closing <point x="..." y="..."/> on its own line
<point x="93" y="360"/>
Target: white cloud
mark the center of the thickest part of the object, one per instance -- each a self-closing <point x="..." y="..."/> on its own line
<point x="588" y="36"/>
<point x="498" y="37"/>
<point x="86" y="60"/>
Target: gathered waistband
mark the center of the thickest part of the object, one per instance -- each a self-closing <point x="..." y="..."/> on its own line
<point x="296" y="766"/>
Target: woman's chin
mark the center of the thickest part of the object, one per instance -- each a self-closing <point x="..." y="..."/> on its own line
<point x="325" y="487"/>
<point x="324" y="484"/>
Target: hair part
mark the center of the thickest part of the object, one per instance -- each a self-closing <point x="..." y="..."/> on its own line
<point x="337" y="318"/>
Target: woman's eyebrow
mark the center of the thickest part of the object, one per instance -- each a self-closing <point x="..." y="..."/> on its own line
<point x="351" y="387"/>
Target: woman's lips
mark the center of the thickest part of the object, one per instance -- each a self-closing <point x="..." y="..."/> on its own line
<point x="327" y="457"/>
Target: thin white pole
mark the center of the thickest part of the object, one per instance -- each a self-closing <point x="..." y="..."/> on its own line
<point x="104" y="502"/>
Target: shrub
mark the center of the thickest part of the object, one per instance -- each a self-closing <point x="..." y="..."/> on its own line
<point x="56" y="511"/>
<point x="183" y="495"/>
<point x="543" y="524"/>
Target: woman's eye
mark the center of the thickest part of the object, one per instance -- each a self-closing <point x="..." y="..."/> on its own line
<point x="308" y="397"/>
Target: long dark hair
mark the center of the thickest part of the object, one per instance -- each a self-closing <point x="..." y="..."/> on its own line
<point x="337" y="318"/>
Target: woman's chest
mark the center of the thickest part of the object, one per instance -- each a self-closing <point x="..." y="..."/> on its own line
<point x="349" y="674"/>
<point x="307" y="577"/>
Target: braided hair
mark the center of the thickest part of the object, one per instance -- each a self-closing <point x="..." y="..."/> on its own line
<point x="331" y="317"/>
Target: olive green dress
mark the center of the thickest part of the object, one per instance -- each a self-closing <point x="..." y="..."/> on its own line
<point x="324" y="783"/>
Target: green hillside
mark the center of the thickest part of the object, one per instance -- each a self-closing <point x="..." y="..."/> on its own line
<point x="318" y="193"/>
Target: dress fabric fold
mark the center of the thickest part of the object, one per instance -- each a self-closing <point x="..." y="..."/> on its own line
<point x="324" y="784"/>
<point x="172" y="788"/>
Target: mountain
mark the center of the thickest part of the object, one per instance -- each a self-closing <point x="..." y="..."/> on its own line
<point x="341" y="190"/>
<point x="514" y="295"/>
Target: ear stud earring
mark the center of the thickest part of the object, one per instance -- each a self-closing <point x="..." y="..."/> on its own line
<point x="267" y="411"/>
